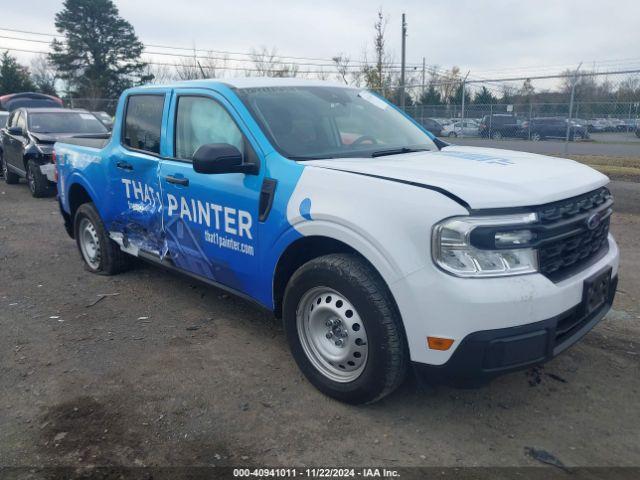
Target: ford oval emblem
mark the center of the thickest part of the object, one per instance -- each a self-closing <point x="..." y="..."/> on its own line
<point x="593" y="221"/>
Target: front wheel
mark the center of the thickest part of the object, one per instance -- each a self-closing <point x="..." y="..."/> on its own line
<point x="38" y="183"/>
<point x="344" y="330"/>
<point x="536" y="137"/>
<point x="101" y="255"/>
<point x="453" y="134"/>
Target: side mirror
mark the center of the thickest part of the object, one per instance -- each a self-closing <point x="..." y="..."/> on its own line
<point x="221" y="158"/>
<point x="16" y="131"/>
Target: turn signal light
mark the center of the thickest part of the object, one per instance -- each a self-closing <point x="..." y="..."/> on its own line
<point x="437" y="343"/>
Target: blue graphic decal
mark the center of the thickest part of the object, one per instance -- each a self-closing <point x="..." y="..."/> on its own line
<point x="305" y="208"/>
<point x="478" y="157"/>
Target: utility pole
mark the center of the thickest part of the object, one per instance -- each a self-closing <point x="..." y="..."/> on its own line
<point x="404" y="56"/>
<point x="464" y="91"/>
<point x="424" y="75"/>
<point x="573" y="92"/>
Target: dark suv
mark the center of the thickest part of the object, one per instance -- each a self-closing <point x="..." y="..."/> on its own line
<point x="27" y="143"/>
<point x="553" y="127"/>
<point x="500" y="125"/>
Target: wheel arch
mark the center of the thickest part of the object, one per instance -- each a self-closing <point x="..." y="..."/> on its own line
<point x="305" y="249"/>
<point x="77" y="196"/>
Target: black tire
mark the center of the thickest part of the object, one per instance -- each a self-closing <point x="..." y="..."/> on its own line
<point x="112" y="259"/>
<point x="38" y="184"/>
<point x="496" y="136"/>
<point x="10" y="178"/>
<point x="387" y="356"/>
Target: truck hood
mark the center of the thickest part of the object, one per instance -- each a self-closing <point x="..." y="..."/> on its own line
<point x="481" y="177"/>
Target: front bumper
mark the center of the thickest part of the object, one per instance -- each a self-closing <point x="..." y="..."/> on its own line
<point x="433" y="303"/>
<point x="48" y="170"/>
<point x="484" y="355"/>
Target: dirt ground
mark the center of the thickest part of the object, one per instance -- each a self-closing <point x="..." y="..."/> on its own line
<point x="165" y="371"/>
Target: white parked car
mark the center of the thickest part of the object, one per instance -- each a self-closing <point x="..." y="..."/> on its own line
<point x="468" y="128"/>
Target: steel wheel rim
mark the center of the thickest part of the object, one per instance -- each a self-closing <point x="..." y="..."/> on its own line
<point x="332" y="334"/>
<point x="89" y="243"/>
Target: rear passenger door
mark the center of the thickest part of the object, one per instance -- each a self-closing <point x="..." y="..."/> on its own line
<point x="136" y="218"/>
<point x="210" y="220"/>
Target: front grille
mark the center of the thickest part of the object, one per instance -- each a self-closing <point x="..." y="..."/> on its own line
<point x="573" y="233"/>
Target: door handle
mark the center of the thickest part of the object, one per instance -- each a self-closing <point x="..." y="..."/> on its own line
<point x="177" y="181"/>
<point x="124" y="166"/>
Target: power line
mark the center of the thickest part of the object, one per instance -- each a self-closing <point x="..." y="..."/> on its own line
<point x="206" y="50"/>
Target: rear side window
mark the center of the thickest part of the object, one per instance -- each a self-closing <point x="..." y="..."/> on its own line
<point x="143" y="122"/>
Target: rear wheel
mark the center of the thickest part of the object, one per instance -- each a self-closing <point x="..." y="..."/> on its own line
<point x="38" y="183"/>
<point x="101" y="255"/>
<point x="453" y="134"/>
<point x="536" y="137"/>
<point x="10" y="177"/>
<point x="344" y="330"/>
<point x="496" y="136"/>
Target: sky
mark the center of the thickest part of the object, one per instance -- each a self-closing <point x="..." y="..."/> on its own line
<point x="490" y="39"/>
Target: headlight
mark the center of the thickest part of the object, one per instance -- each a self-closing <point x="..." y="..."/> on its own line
<point x="486" y="246"/>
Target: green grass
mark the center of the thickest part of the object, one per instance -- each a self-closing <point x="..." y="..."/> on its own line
<point x="617" y="168"/>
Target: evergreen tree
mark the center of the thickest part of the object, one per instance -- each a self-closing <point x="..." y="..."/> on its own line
<point x="100" y="55"/>
<point x="14" y="78"/>
<point x="431" y="96"/>
<point x="484" y="97"/>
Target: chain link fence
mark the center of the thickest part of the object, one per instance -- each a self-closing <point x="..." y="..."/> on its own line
<point x="577" y="106"/>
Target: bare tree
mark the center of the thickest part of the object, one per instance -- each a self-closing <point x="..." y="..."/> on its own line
<point x="268" y="64"/>
<point x="43" y="75"/>
<point x="160" y="73"/>
<point x="342" y="66"/>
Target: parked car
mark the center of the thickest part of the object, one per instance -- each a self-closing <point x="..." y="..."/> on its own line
<point x="105" y="118"/>
<point x="597" y="125"/>
<point x="433" y="126"/>
<point x="27" y="143"/>
<point x="389" y="251"/>
<point x="499" y="125"/>
<point x="467" y="128"/>
<point x="29" y="100"/>
<point x="540" y="128"/>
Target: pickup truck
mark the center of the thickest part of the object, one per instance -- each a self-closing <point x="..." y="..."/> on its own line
<point x="382" y="248"/>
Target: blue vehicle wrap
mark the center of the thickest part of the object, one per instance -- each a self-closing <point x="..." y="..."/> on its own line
<point x="210" y="229"/>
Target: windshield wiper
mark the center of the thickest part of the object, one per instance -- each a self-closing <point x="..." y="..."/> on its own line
<point x="397" y="151"/>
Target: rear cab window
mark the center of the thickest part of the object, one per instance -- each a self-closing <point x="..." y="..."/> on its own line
<point x="142" y="126"/>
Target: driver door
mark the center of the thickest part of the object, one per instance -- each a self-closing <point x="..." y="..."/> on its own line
<point x="210" y="220"/>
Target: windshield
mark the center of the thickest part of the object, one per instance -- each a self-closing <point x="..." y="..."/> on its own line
<point x="63" y="122"/>
<point x="306" y="123"/>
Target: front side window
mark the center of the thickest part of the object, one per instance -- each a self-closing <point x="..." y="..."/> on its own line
<point x="65" y="122"/>
<point x="143" y="122"/>
<point x="327" y="122"/>
<point x="201" y="121"/>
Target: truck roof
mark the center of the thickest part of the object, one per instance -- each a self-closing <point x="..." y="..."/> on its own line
<point x="251" y="82"/>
